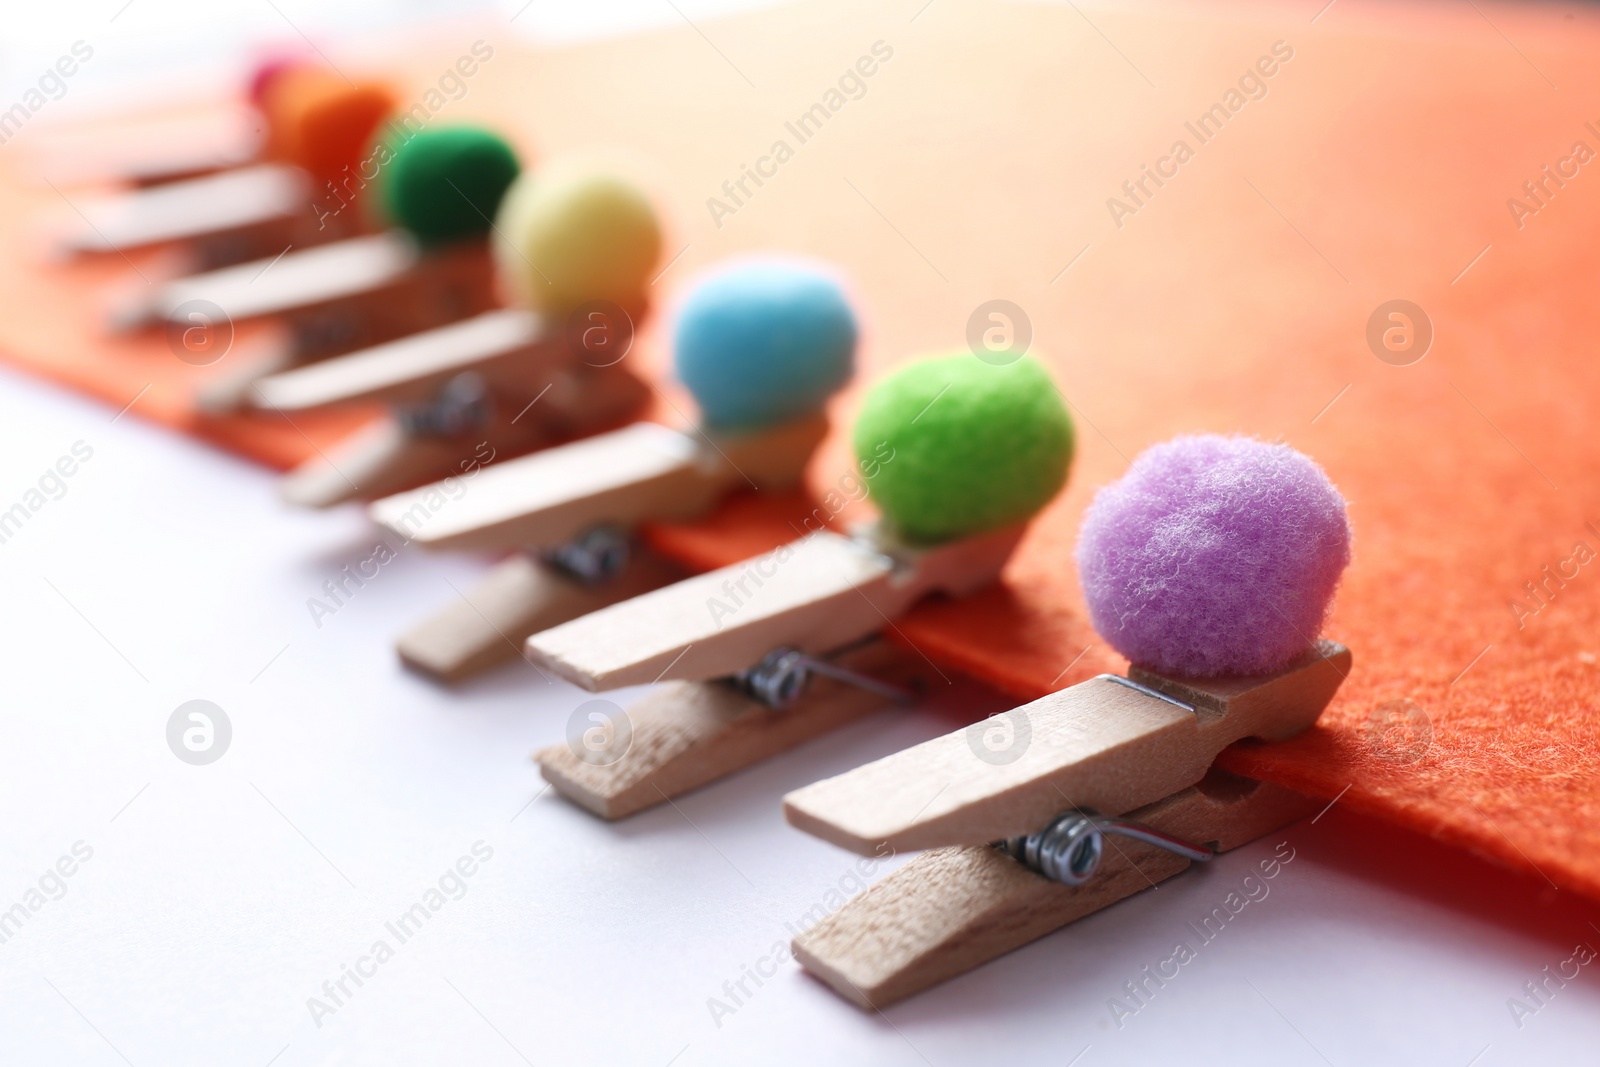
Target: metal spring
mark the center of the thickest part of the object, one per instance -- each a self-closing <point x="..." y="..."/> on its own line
<point x="595" y="556"/>
<point x="782" y="675"/>
<point x="463" y="405"/>
<point x="1070" y="848"/>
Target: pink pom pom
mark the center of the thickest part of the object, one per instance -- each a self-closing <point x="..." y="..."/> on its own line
<point x="1214" y="555"/>
<point x="267" y="71"/>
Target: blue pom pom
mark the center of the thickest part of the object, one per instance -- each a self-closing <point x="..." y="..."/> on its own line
<point x="764" y="341"/>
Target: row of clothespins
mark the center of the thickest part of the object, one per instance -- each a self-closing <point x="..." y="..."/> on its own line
<point x="1210" y="564"/>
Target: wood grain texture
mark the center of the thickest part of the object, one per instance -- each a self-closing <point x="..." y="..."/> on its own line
<point x="383" y="458"/>
<point x="687" y="734"/>
<point x="640" y="472"/>
<point x="1098" y="744"/>
<point x="486" y="626"/>
<point x="820" y="593"/>
<point x="956" y="908"/>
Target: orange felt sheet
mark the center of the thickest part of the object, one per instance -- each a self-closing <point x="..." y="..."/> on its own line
<point x="977" y="164"/>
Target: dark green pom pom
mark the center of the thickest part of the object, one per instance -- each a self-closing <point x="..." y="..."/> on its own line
<point x="446" y="184"/>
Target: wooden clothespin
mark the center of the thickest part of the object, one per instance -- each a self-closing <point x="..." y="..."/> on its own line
<point x="461" y="396"/>
<point x="320" y="133"/>
<point x="1211" y="555"/>
<point x="441" y="187"/>
<point x="241" y="139"/>
<point x="504" y="382"/>
<point x="762" y="346"/>
<point x="956" y="482"/>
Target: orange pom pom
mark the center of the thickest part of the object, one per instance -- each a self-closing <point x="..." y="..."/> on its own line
<point x="321" y="123"/>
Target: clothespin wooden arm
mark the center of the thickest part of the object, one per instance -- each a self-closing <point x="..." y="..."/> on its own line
<point x="816" y="594"/>
<point x="505" y="345"/>
<point x="951" y="909"/>
<point x="314" y="276"/>
<point x="644" y="471"/>
<point x="194" y="208"/>
<point x="1103" y="745"/>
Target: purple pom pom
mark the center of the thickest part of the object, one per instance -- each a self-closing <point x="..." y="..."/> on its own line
<point x="1214" y="555"/>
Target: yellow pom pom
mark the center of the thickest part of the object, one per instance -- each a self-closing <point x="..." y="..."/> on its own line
<point x="565" y="239"/>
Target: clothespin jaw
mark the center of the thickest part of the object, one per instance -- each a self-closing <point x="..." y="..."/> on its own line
<point x="1104" y="745"/>
<point x="507" y="349"/>
<point x="220" y="209"/>
<point x="955" y="908"/>
<point x="765" y="624"/>
<point x="217" y="220"/>
<point x="441" y="188"/>
<point x="457" y="435"/>
<point x="1140" y="747"/>
<point x="621" y="478"/>
<point x="348" y="295"/>
<point x="460" y="396"/>
<point x="752" y="695"/>
<point x="567" y="514"/>
<point x="761" y="346"/>
<point x="684" y="735"/>
<point x="817" y="594"/>
<point x="485" y="626"/>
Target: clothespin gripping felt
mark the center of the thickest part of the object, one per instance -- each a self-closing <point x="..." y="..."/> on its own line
<point x="1211" y="564"/>
<point x="762" y="345"/>
<point x="1098" y="745"/>
<point x="441" y="188"/>
<point x="817" y="594"/>
<point x="952" y="909"/>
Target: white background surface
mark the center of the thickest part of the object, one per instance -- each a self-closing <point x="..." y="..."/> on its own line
<point x="220" y="898"/>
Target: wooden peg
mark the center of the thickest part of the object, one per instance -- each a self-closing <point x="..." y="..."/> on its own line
<point x="822" y="594"/>
<point x="641" y="472"/>
<point x="339" y="297"/>
<point x="952" y="909"/>
<point x="314" y="277"/>
<point x="233" y="383"/>
<point x="151" y="150"/>
<point x="375" y="459"/>
<point x="684" y="735"/>
<point x="1103" y="744"/>
<point x="535" y="391"/>
<point x="222" y="219"/>
<point x="817" y="594"/>
<point x="547" y="499"/>
<point x="507" y="347"/>
<point x="389" y="457"/>
<point x="486" y="626"/>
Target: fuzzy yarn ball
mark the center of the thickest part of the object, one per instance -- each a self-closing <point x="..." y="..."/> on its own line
<point x="322" y="124"/>
<point x="570" y="235"/>
<point x="446" y="184"/>
<point x="760" y="341"/>
<point x="267" y="70"/>
<point x="954" y="446"/>
<point x="1214" y="556"/>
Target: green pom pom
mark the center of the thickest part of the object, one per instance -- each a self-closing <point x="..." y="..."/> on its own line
<point x="954" y="446"/>
<point x="446" y="184"/>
